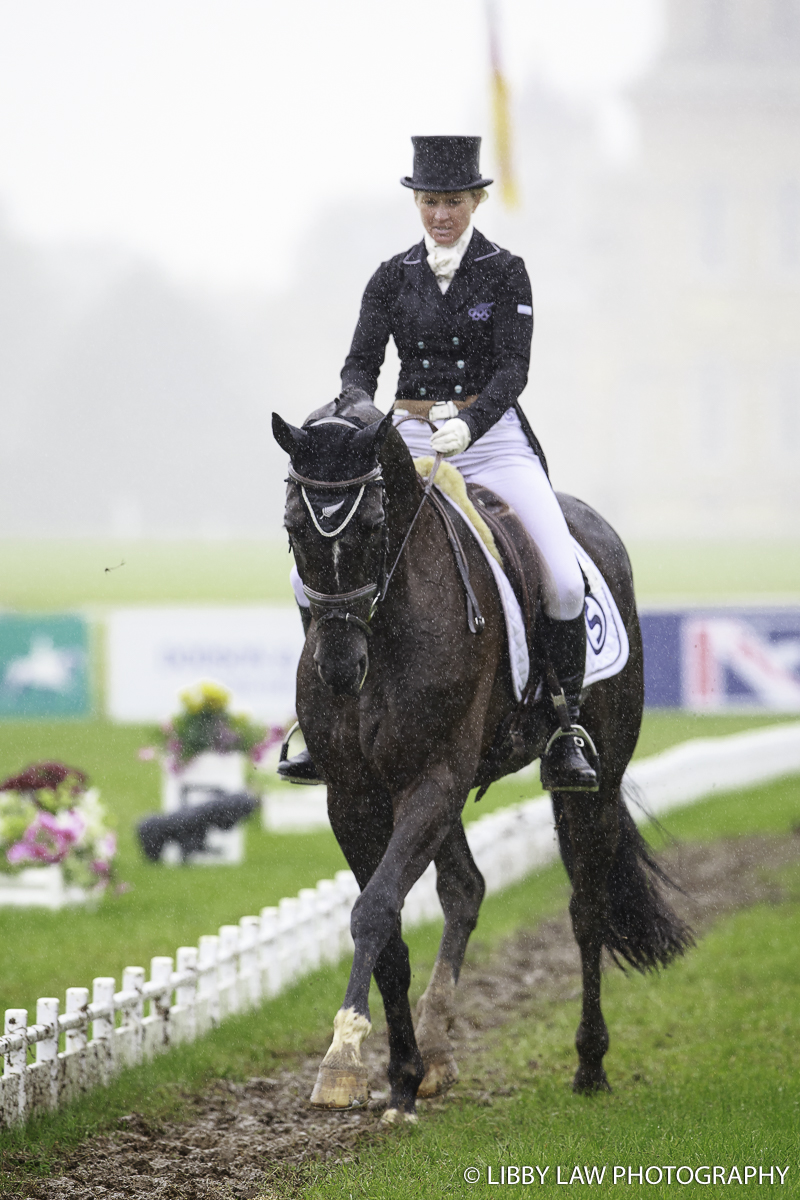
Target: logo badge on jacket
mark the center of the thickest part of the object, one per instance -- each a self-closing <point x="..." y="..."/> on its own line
<point x="482" y="312"/>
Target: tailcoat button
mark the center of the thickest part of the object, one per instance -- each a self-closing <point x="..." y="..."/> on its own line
<point x="455" y="341"/>
<point x="459" y="389"/>
<point x="422" y="391"/>
<point x="460" y="364"/>
<point x="421" y="345"/>
<point x="425" y="363"/>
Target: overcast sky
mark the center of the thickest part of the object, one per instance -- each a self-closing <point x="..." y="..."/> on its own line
<point x="208" y="134"/>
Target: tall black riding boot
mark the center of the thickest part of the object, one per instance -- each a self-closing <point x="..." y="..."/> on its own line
<point x="565" y="766"/>
<point x="299" y="769"/>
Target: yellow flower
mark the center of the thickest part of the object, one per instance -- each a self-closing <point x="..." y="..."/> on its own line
<point x="205" y="697"/>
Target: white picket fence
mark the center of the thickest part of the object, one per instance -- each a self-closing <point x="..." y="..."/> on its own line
<point x="248" y="963"/>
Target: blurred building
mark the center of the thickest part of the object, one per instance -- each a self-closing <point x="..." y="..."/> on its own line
<point x="665" y="379"/>
<point x="694" y="341"/>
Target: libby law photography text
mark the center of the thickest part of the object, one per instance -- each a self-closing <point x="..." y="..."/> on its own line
<point x="505" y="1176"/>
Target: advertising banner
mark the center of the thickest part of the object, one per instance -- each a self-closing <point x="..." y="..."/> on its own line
<point x="44" y="666"/>
<point x="713" y="660"/>
<point x="153" y="653"/>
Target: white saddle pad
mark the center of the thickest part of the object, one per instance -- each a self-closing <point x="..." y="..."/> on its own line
<point x="607" y="645"/>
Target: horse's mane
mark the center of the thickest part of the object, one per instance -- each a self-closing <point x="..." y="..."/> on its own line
<point x="353" y="404"/>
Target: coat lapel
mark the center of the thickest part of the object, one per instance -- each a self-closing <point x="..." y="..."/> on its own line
<point x="418" y="271"/>
<point x="478" y="251"/>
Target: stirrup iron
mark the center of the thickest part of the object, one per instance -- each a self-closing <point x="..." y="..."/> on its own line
<point x="302" y="763"/>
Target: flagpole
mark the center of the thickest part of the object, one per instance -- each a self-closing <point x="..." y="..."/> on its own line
<point x="501" y="113"/>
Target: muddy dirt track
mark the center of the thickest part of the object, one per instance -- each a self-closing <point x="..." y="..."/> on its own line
<point x="240" y="1132"/>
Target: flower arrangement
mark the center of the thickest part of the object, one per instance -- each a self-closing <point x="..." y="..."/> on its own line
<point x="48" y="814"/>
<point x="205" y="723"/>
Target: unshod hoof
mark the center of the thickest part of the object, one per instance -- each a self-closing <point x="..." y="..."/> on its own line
<point x="341" y="1087"/>
<point x="342" y="1079"/>
<point x="439" y="1077"/>
<point x="589" y="1082"/>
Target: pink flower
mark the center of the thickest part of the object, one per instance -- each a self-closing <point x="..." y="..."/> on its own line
<point x="47" y="839"/>
<point x="71" y="823"/>
<point x="146" y="754"/>
<point x="273" y="737"/>
<point x="107" y="847"/>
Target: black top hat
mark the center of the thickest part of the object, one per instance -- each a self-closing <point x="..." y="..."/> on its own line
<point x="446" y="164"/>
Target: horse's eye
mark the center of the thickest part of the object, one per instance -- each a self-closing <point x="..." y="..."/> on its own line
<point x="293" y="523"/>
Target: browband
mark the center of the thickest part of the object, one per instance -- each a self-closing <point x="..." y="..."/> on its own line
<point x="332" y="421"/>
<point x="374" y="474"/>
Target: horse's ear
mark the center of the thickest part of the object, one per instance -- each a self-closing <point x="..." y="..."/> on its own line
<point x="373" y="436"/>
<point x="288" y="437"/>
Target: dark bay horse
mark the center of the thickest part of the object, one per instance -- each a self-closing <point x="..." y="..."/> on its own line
<point x="401" y="706"/>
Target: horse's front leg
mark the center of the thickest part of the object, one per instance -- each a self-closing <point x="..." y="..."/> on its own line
<point x="593" y="831"/>
<point x="424" y="813"/>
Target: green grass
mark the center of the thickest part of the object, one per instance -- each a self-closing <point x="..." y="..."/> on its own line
<point x="704" y="1058"/>
<point x="166" y="907"/>
<point x="69" y="574"/>
<point x="49" y="574"/>
<point x="171" y="907"/>
<point x="769" y="808"/>
<point x="715" y="570"/>
<point x="738" y="988"/>
<point x="705" y="1066"/>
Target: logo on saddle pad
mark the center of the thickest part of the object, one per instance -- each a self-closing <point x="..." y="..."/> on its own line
<point x="482" y="311"/>
<point x="595" y="624"/>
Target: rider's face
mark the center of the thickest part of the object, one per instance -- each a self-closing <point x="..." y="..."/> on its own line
<point x="446" y="215"/>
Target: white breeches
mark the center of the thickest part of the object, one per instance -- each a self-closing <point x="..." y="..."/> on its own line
<point x="504" y="461"/>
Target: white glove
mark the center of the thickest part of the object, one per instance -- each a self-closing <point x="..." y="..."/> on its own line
<point x="442" y="410"/>
<point x="452" y="438"/>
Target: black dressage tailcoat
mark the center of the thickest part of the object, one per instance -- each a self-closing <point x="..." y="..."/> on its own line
<point x="473" y="340"/>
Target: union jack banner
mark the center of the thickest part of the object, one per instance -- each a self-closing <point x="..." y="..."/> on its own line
<point x="724" y="659"/>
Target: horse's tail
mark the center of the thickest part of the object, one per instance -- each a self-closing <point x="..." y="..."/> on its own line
<point x="642" y="928"/>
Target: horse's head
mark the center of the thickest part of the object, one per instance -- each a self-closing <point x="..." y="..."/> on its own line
<point x="336" y="520"/>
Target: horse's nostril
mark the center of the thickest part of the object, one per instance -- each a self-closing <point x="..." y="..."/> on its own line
<point x="343" y="679"/>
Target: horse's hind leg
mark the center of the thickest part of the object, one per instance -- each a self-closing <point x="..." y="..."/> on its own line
<point x="592" y="831"/>
<point x="460" y="886"/>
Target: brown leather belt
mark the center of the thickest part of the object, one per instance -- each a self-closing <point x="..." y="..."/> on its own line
<point x="421" y="408"/>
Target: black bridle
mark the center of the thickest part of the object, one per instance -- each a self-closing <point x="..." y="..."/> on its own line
<point x="336" y="606"/>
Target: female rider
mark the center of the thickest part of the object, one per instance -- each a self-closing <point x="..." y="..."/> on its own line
<point x="459" y="309"/>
